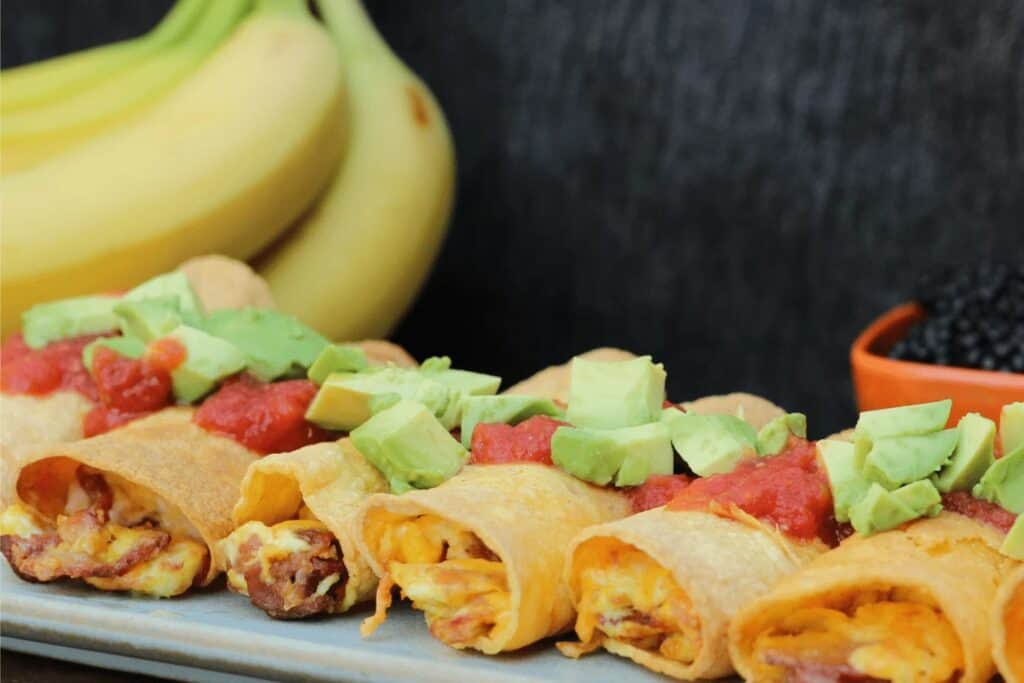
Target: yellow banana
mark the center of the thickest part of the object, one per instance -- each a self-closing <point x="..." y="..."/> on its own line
<point x="221" y="165"/>
<point x="59" y="77"/>
<point x="357" y="261"/>
<point x="30" y="136"/>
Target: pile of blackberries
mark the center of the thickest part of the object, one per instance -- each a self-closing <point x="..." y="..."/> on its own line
<point x="975" y="319"/>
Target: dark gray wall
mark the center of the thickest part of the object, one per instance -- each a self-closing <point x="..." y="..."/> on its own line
<point x="737" y="187"/>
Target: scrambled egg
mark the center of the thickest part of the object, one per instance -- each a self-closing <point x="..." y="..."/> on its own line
<point x="628" y="597"/>
<point x="19" y="520"/>
<point x="449" y="574"/>
<point x="170" y="573"/>
<point x="275" y="543"/>
<point x="903" y="642"/>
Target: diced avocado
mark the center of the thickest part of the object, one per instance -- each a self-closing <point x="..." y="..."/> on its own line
<point x="129" y="347"/>
<point x="774" y="435"/>
<point x="410" y="447"/>
<point x="881" y="510"/>
<point x="845" y="479"/>
<point x="897" y="460"/>
<point x="337" y="358"/>
<point x="275" y="345"/>
<point x="612" y="394"/>
<point x="56" y="320"/>
<point x="627" y="455"/>
<point x="466" y="382"/>
<point x="148" y="319"/>
<point x="1013" y="544"/>
<point x="1003" y="482"/>
<point x="174" y="285"/>
<point x="508" y="408"/>
<point x="972" y="457"/>
<point x="710" y="444"/>
<point x="1011" y="426"/>
<point x="913" y="420"/>
<point x="208" y="360"/>
<point x="347" y="400"/>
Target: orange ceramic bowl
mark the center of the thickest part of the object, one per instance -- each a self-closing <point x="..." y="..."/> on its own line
<point x="881" y="382"/>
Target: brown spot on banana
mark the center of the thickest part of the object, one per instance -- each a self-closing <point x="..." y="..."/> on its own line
<point x="419" y="106"/>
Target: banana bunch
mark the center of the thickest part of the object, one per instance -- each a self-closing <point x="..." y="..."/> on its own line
<point x="235" y="127"/>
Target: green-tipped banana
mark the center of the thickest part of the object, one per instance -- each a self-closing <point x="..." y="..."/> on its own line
<point x="40" y="82"/>
<point x="31" y="136"/>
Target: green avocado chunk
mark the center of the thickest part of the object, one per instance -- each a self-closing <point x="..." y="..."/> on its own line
<point x="972" y="457"/>
<point x="845" y="479"/>
<point x="275" y="345"/>
<point x="347" y="400"/>
<point x="410" y="447"/>
<point x="627" y="455"/>
<point x="508" y="409"/>
<point x="1003" y="482"/>
<point x="710" y="444"/>
<point x="208" y="360"/>
<point x="612" y="394"/>
<point x="175" y="286"/>
<point x="773" y="436"/>
<point x="148" y="319"/>
<point x="129" y="347"/>
<point x="1011" y="426"/>
<point x="914" y="420"/>
<point x="897" y="460"/>
<point x="881" y="510"/>
<point x="1013" y="544"/>
<point x="440" y="370"/>
<point x="337" y="358"/>
<point x="56" y="320"/>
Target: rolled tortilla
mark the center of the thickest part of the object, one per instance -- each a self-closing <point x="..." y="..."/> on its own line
<point x="186" y="477"/>
<point x="483" y="552"/>
<point x="662" y="586"/>
<point x="553" y="382"/>
<point x="329" y="480"/>
<point x="1008" y="628"/>
<point x="909" y="604"/>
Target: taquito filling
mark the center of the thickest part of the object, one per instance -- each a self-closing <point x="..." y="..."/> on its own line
<point x="103" y="530"/>
<point x="447" y="572"/>
<point x="290" y="570"/>
<point x="628" y="597"/>
<point x="873" y="635"/>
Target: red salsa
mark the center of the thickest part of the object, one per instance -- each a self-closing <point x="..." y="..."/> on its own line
<point x="267" y="418"/>
<point x="131" y="388"/>
<point x="56" y="366"/>
<point x="528" y="441"/>
<point x="979" y="510"/>
<point x="790" y="490"/>
<point x="657" y="490"/>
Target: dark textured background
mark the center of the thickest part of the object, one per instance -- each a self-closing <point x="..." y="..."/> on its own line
<point x="734" y="187"/>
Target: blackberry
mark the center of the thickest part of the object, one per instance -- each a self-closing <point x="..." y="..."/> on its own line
<point x="974" y="318"/>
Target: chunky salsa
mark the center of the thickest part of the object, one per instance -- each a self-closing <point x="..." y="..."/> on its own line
<point x="979" y="510"/>
<point x="130" y="388"/>
<point x="267" y="418"/>
<point x="57" y="366"/>
<point x="657" y="490"/>
<point x="790" y="490"/>
<point x="528" y="441"/>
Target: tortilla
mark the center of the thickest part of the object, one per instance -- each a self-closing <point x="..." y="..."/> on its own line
<point x="167" y="454"/>
<point x="949" y="566"/>
<point x="223" y="282"/>
<point x="331" y="479"/>
<point x="1008" y="628"/>
<point x="553" y="382"/>
<point x="526" y="515"/>
<point x="722" y="562"/>
<point x="754" y="409"/>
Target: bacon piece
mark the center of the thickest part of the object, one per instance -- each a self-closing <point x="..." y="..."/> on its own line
<point x="807" y="671"/>
<point x="291" y="594"/>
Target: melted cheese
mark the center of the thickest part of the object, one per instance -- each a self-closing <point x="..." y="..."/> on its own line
<point x="170" y="573"/>
<point x="19" y="520"/>
<point x="904" y="642"/>
<point x="275" y="543"/>
<point x="627" y="596"/>
<point x="448" y="573"/>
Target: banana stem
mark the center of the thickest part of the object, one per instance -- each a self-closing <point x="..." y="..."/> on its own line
<point x="177" y="22"/>
<point x="353" y="30"/>
<point x="217" y="22"/>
